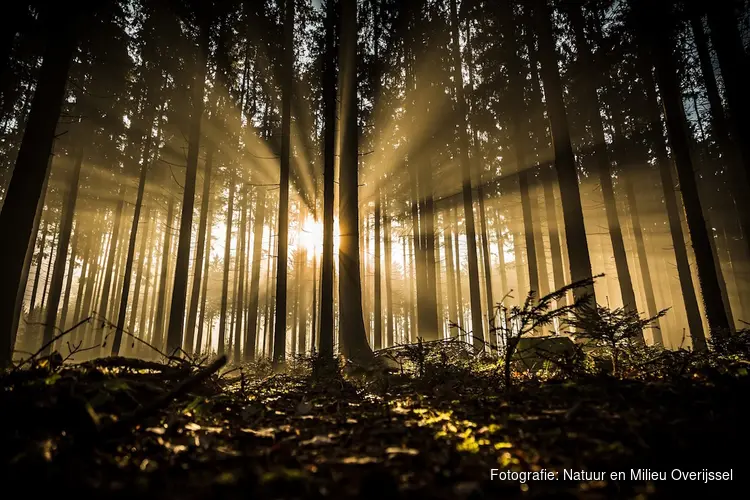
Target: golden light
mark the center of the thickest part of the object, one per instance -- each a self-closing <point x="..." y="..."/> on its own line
<point x="311" y="236"/>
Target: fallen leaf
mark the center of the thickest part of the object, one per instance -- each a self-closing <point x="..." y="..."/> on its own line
<point x="401" y="451"/>
<point x="359" y="460"/>
<point x="317" y="441"/>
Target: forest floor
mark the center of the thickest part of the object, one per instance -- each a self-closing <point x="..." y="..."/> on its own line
<point x="124" y="428"/>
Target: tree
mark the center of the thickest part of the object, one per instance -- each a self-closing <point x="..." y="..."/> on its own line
<point x="351" y="323"/>
<point x="279" y="341"/>
<point x="25" y="188"/>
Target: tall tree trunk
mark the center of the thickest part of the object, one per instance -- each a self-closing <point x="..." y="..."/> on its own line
<point x="227" y="262"/>
<point x="287" y="81"/>
<point x="449" y="269"/>
<point x="546" y="171"/>
<point x="623" y="151"/>
<point x="38" y="269"/>
<point x="66" y="227"/>
<point x="252" y="324"/>
<point x="661" y="46"/>
<point x="377" y="278"/>
<point x="182" y="261"/>
<point x="143" y="249"/>
<point x="501" y="257"/>
<point x="145" y="162"/>
<point x="204" y="281"/>
<point x="353" y="337"/>
<point x="735" y="66"/>
<point x="28" y="258"/>
<point x="199" y="251"/>
<point x="720" y="132"/>
<point x="565" y="163"/>
<point x="302" y="291"/>
<point x="141" y="330"/>
<point x="471" y="241"/>
<point x="459" y="287"/>
<point x="158" y="329"/>
<point x="653" y="118"/>
<point x="26" y="184"/>
<point x="388" y="278"/>
<point x="48" y="273"/>
<point x="112" y="254"/>
<point x="325" y="342"/>
<point x="594" y="119"/>
<point x="476" y="152"/>
<point x="67" y="287"/>
<point x="242" y="241"/>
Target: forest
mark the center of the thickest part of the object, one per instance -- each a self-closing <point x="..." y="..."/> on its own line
<point x="370" y="248"/>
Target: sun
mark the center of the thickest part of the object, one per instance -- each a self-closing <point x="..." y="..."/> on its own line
<point x="311" y="236"/>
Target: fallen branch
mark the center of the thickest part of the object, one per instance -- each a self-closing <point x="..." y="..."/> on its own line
<point x="145" y="412"/>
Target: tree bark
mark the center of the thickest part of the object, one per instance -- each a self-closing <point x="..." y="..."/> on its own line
<point x="26" y="184"/>
<point x="199" y="252"/>
<point x="353" y="337"/>
<point x="603" y="162"/>
<point x="477" y="328"/>
<point x="325" y="342"/>
<point x="287" y="81"/>
<point x="666" y="74"/>
<point x="565" y="163"/>
<point x="66" y="227"/>
<point x="145" y="162"/>
<point x="182" y="261"/>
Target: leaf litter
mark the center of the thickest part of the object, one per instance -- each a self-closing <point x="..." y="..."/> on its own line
<point x="109" y="430"/>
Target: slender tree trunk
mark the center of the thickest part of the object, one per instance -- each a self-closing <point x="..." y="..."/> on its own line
<point x="182" y="261"/>
<point x="377" y="278"/>
<point x="302" y="291"/>
<point x="459" y="287"/>
<point x="279" y="341"/>
<point x="252" y="324"/>
<point x="603" y="163"/>
<point x="242" y="241"/>
<point x="388" y="279"/>
<point x="141" y="330"/>
<point x="21" y="293"/>
<point x="501" y="256"/>
<point x="204" y="281"/>
<point x="158" y="337"/>
<point x="720" y="130"/>
<point x="111" y="255"/>
<point x="471" y="240"/>
<point x="143" y="249"/>
<point x="329" y="150"/>
<point x="38" y="270"/>
<point x="66" y="291"/>
<point x="199" y="251"/>
<point x="66" y="227"/>
<point x="28" y="179"/>
<point x="353" y="337"/>
<point x="227" y="262"/>
<point x="567" y="174"/>
<point x="48" y="274"/>
<point x="666" y="75"/>
<point x="145" y="162"/>
<point x="735" y="66"/>
<point x="448" y="245"/>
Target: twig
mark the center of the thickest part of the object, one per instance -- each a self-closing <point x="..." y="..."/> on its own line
<point x="54" y="339"/>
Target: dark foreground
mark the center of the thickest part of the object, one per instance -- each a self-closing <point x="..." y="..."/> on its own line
<point x="120" y="429"/>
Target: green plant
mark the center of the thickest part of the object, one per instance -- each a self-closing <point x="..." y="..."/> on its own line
<point x="614" y="332"/>
<point x="518" y="321"/>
